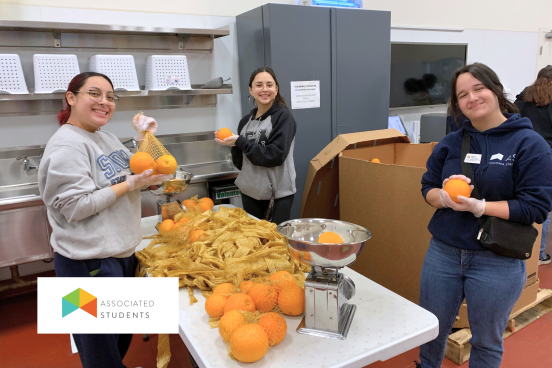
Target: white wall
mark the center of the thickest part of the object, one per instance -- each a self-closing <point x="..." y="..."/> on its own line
<point x="511" y="15"/>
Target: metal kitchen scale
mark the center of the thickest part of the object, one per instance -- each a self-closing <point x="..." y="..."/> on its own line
<point x="170" y="188"/>
<point x="327" y="291"/>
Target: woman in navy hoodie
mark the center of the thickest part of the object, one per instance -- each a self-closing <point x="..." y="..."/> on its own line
<point x="514" y="177"/>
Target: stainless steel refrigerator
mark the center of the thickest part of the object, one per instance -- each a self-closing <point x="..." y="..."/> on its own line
<point x="347" y="50"/>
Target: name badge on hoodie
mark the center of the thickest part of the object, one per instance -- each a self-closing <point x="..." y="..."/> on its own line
<point x="473" y="158"/>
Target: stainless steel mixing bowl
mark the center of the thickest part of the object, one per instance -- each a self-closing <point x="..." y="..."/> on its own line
<point x="302" y="235"/>
<point x="177" y="185"/>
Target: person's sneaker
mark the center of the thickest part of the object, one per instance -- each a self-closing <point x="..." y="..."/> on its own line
<point x="546" y="260"/>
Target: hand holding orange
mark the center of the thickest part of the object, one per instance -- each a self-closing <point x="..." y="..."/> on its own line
<point x="224" y="133"/>
<point x="456" y="187"/>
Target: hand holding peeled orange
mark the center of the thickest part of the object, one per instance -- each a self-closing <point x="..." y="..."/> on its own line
<point x="455" y="187"/>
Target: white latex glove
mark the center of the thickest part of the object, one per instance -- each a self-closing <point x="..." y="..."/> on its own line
<point x="141" y="124"/>
<point x="441" y="196"/>
<point x="145" y="179"/>
<point x="475" y="206"/>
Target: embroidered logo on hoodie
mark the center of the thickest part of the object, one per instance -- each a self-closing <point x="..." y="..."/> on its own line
<point x="497" y="156"/>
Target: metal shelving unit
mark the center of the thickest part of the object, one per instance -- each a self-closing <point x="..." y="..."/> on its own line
<point x="54" y="37"/>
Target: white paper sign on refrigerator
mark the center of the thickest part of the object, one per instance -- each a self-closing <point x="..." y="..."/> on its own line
<point x="305" y="95"/>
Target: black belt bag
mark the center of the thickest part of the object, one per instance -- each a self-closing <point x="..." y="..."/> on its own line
<point x="503" y="237"/>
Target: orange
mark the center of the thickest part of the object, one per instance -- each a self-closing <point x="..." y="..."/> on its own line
<point x="249" y="343"/>
<point x="329" y="237"/>
<point x="205" y="204"/>
<point x="281" y="278"/>
<point x="239" y="301"/>
<point x="292" y="300"/>
<point x="246" y="286"/>
<point x="214" y="305"/>
<point x="456" y="187"/>
<point x="229" y="322"/>
<point x="375" y="160"/>
<point x="189" y="204"/>
<point x="141" y="161"/>
<point x="166" y="226"/>
<point x="198" y="233"/>
<point x="264" y="296"/>
<point x="275" y="327"/>
<point x="224" y="133"/>
<point x="165" y="165"/>
<point x="225" y="288"/>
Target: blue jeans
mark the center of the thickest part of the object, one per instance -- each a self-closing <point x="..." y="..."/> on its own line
<point x="544" y="234"/>
<point x="491" y="285"/>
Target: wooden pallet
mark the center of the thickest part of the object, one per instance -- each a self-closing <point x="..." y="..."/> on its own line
<point x="458" y="344"/>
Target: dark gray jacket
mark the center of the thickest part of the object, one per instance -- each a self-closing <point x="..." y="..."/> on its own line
<point x="264" y="153"/>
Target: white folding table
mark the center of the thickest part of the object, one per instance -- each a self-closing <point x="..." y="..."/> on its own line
<point x="385" y="325"/>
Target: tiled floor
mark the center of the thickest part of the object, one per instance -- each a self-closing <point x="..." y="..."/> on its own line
<point x="22" y="347"/>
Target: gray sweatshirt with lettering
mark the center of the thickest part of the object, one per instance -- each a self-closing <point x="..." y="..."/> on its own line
<point x="74" y="178"/>
<point x="264" y="153"/>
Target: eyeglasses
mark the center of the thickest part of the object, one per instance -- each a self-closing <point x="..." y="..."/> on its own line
<point x="97" y="96"/>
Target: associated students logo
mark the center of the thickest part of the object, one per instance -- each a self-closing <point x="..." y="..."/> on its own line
<point x="497" y="156"/>
<point x="79" y="299"/>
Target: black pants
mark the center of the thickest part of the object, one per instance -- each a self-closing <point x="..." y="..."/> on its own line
<point x="99" y="350"/>
<point x="280" y="212"/>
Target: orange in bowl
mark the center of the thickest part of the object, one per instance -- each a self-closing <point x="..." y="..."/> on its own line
<point x="375" y="160"/>
<point x="329" y="237"/>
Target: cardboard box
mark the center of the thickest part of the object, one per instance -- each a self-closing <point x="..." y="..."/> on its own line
<point x="528" y="296"/>
<point x="385" y="198"/>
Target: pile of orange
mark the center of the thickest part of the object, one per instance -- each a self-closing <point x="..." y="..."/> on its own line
<point x="249" y="341"/>
<point x="142" y="161"/>
<point x="282" y="291"/>
<point x="202" y="205"/>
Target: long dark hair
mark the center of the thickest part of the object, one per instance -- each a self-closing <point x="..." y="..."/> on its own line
<point x="540" y="92"/>
<point x="76" y="83"/>
<point x="279" y="99"/>
<point x="488" y="77"/>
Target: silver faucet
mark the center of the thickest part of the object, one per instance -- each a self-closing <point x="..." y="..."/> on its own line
<point x="26" y="164"/>
<point x="134" y="143"/>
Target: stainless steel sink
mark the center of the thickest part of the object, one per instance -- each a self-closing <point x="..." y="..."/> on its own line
<point x="19" y="192"/>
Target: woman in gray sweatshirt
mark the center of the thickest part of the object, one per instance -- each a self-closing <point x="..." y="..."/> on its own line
<point x="93" y="201"/>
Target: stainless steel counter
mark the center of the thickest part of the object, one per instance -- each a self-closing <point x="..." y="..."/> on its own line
<point x="23" y="221"/>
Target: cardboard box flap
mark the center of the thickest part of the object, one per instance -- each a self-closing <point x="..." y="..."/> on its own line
<point x="328" y="180"/>
<point x="361" y="139"/>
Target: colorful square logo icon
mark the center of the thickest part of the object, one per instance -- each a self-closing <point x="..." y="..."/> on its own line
<point x="79" y="299"/>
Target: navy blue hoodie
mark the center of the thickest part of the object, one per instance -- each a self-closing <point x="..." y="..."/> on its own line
<point x="516" y="166"/>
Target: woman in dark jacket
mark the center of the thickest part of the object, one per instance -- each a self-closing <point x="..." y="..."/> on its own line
<point x="263" y="151"/>
<point x="535" y="103"/>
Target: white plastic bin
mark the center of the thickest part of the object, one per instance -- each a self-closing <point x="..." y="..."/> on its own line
<point x="12" y="80"/>
<point x="119" y="68"/>
<point x="53" y="73"/>
<point x="167" y="71"/>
